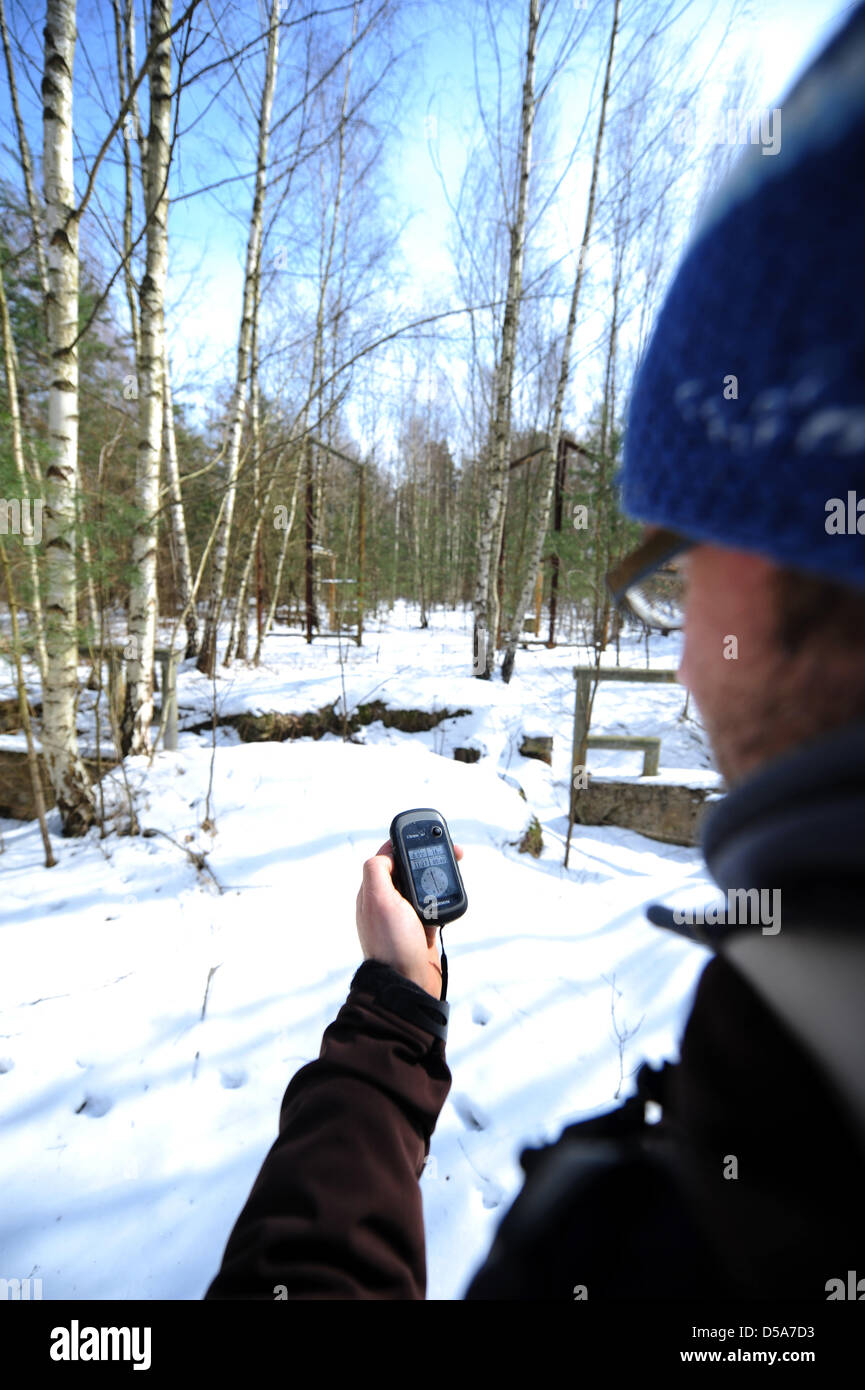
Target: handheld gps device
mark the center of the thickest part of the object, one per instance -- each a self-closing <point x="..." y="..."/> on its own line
<point x="426" y="872"/>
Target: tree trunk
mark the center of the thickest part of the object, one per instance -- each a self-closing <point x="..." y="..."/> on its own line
<point x="207" y="656"/>
<point x="486" y="616"/>
<point x="89" y="588"/>
<point x="603" y="532"/>
<point x="309" y="543"/>
<point x="240" y="626"/>
<point x="69" y="779"/>
<point x="138" y="704"/>
<point x="361" y="547"/>
<point x="178" y="520"/>
<point x="274" y="598"/>
<point x="552" y="453"/>
<point x="417" y="527"/>
<point x="395" y="589"/>
<point x="555" y="565"/>
<point x="124" y="40"/>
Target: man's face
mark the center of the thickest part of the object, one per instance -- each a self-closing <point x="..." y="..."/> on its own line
<point x="730" y="661"/>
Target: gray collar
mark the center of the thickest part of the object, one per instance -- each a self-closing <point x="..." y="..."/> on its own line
<point x="798" y="823"/>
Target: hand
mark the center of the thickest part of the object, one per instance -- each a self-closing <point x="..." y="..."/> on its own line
<point x="390" y="930"/>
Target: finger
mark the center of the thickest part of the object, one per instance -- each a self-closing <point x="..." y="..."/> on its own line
<point x="378" y="874"/>
<point x="381" y="860"/>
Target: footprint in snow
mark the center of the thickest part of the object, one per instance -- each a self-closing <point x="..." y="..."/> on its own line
<point x="6" y="1064"/>
<point x="94" y="1106"/>
<point x="480" y="1013"/>
<point x="493" y="1195"/>
<point x="231" y="1080"/>
<point x="472" y="1116"/>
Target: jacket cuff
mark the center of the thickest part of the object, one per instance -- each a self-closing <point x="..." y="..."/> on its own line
<point x="402" y="997"/>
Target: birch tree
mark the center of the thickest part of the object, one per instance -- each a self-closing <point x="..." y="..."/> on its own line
<point x="331" y="212"/>
<point x="551" y="452"/>
<point x="138" y="704"/>
<point x="207" y="655"/>
<point x="238" y="641"/>
<point x="59" y="737"/>
<point x="124" y="37"/>
<point x="286" y="527"/>
<point x="132" y="133"/>
<point x="486" y="606"/>
<point x="179" y="539"/>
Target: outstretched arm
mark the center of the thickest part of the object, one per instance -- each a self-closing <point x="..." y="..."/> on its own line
<point x="336" y="1210"/>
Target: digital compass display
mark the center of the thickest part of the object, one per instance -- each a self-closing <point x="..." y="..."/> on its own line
<point x="429" y="869"/>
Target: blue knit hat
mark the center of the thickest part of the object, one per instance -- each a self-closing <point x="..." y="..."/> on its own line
<point x="747" y="421"/>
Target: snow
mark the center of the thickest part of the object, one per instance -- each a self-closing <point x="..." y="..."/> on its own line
<point x="699" y="778"/>
<point x="135" y="1127"/>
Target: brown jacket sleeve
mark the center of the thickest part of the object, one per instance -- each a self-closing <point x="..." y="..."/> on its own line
<point x="336" y="1210"/>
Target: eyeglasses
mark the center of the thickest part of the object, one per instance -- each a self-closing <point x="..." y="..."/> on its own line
<point x="650" y="582"/>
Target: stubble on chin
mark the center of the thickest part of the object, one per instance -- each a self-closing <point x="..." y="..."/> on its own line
<point x="760" y="719"/>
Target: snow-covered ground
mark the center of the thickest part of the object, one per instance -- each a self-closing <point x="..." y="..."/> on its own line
<point x="134" y="1126"/>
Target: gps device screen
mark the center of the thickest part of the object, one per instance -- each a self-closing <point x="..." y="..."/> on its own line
<point x="429" y="869"/>
<point x="426" y="870"/>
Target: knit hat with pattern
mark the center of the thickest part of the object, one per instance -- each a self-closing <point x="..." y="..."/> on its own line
<point x="746" y="426"/>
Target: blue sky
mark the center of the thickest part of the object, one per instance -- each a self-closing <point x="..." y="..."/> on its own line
<point x="434" y="112"/>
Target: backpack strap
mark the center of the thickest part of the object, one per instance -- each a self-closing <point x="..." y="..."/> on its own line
<point x="814" y="980"/>
<point x="812" y="976"/>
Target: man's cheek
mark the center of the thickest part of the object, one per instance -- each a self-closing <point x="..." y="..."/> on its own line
<point x="702" y="668"/>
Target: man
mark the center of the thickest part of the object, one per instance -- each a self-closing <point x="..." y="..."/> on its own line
<point x="745" y="456"/>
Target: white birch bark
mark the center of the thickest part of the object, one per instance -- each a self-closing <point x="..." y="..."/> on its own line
<point x="274" y="598"/>
<point x="124" y="35"/>
<point x="207" y="655"/>
<point x="178" y="519"/>
<point x="69" y="779"/>
<point x="548" y="463"/>
<point x="124" y="30"/>
<point x="138" y="704"/>
<point x="314" y="479"/>
<point x="486" y="614"/>
<point x="238" y="641"/>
